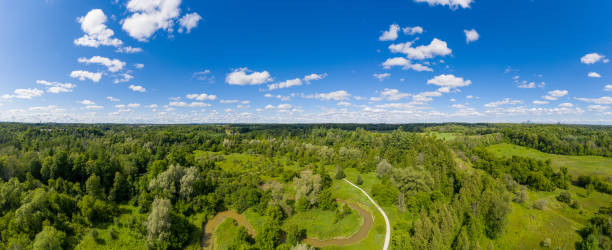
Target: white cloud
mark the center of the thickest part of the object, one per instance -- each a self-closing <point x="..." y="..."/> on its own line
<point x="125" y="77"/>
<point x="344" y="104"/>
<point x="381" y="77"/>
<point x="188" y="22"/>
<point x="96" y="32"/>
<point x="203" y="75"/>
<point x="406" y="64"/>
<point x="412" y="30"/>
<point x="202" y="97"/>
<point x="391" y="34"/>
<point x="113" y="65"/>
<point x="530" y="85"/>
<point x="449" y="81"/>
<point x="139" y="65"/>
<point x="598" y="108"/>
<point x="601" y="100"/>
<point x="339" y="95"/>
<point x="435" y="48"/>
<point x="285" y="84"/>
<point x="128" y="50"/>
<point x="228" y="101"/>
<point x="82" y="75"/>
<point x="137" y="88"/>
<point x="94" y="107"/>
<point x="393" y="94"/>
<point x="594" y="75"/>
<point x="241" y="77"/>
<point x="87" y="102"/>
<point x="608" y="87"/>
<point x="314" y="77"/>
<point x="189" y="105"/>
<point x="566" y="105"/>
<point x="57" y="87"/>
<point x="133" y="105"/>
<point x="555" y="94"/>
<point x="593" y="58"/>
<point x="150" y="16"/>
<point x="471" y="35"/>
<point x="503" y="102"/>
<point x="284" y="106"/>
<point x="539" y="102"/>
<point x="453" y="4"/>
<point x="112" y="99"/>
<point x="24" y="94"/>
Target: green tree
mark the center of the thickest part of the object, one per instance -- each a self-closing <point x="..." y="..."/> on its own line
<point x="359" y="181"/>
<point x="158" y="222"/>
<point x="121" y="189"/>
<point x="339" y="173"/>
<point x="49" y="239"/>
<point x="94" y="188"/>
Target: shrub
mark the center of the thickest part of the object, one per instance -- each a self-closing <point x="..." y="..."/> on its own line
<point x="565" y="197"/>
<point x="540" y="204"/>
<point x="359" y="181"/>
<point x="545" y="243"/>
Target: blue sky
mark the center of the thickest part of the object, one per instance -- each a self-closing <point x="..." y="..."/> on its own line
<point x="182" y="61"/>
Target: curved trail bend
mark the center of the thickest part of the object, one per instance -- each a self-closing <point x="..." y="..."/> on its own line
<point x="207" y="241"/>
<point x="388" y="233"/>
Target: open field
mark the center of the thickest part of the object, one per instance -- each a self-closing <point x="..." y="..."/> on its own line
<point x="577" y="165"/>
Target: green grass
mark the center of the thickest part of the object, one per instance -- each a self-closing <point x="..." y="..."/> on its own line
<point x="441" y="135"/>
<point x="125" y="239"/>
<point x="319" y="223"/>
<point x="577" y="165"/>
<point x="528" y="226"/>
<point x="225" y="234"/>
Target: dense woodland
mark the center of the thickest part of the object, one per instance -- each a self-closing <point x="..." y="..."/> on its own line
<point x="60" y="182"/>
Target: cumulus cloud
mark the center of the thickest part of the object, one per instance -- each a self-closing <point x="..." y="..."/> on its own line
<point x="137" y="88"/>
<point x="24" y="94"/>
<point x="150" y="16"/>
<point x="437" y="47"/>
<point x="204" y="75"/>
<point x="125" y="77"/>
<point x="506" y="101"/>
<point x="314" y="77"/>
<point x="112" y="99"/>
<point x="393" y="94"/>
<point x="593" y="58"/>
<point x="381" y="77"/>
<point x="285" y="84"/>
<point x="608" y="87"/>
<point x="82" y="75"/>
<point x="601" y="100"/>
<point x="405" y="64"/>
<point x="339" y="95"/>
<point x="598" y="108"/>
<point x="188" y="105"/>
<point x="188" y="22"/>
<point x="471" y="35"/>
<point x="391" y="34"/>
<point x="96" y="32"/>
<point x="555" y="94"/>
<point x="594" y="75"/>
<point x="243" y="76"/>
<point x="539" y="102"/>
<point x="453" y="4"/>
<point x="449" y="81"/>
<point x="566" y="105"/>
<point x="113" y="65"/>
<point x="139" y="65"/>
<point x="530" y="85"/>
<point x="201" y="97"/>
<point x="128" y="50"/>
<point x="57" y="87"/>
<point x="412" y="30"/>
<point x="87" y="102"/>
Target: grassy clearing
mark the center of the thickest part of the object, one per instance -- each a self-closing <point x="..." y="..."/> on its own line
<point x="122" y="238"/>
<point x="322" y="227"/>
<point x="225" y="234"/>
<point x="577" y="165"/>
<point x="528" y="226"/>
<point x="441" y="135"/>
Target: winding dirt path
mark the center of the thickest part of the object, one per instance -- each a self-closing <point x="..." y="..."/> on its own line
<point x="388" y="233"/>
<point x="207" y="240"/>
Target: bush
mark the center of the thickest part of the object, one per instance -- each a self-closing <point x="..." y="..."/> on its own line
<point x="359" y="181"/>
<point x="565" y="197"/>
<point x="540" y="204"/>
<point x="339" y="173"/>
